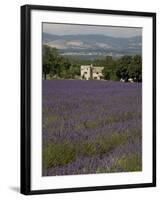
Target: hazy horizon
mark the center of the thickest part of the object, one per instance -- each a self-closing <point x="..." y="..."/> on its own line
<point x="74" y="29"/>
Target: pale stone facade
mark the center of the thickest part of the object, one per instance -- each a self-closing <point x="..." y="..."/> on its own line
<point x="85" y="72"/>
<point x="91" y="72"/>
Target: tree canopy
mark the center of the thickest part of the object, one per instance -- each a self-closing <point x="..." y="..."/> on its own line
<point x="58" y="66"/>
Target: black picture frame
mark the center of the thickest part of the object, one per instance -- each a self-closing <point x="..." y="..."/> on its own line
<point x="26" y="98"/>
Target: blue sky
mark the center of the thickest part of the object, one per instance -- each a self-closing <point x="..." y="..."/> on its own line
<point x="68" y="29"/>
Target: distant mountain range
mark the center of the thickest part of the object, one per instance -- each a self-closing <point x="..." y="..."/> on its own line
<point x="93" y="46"/>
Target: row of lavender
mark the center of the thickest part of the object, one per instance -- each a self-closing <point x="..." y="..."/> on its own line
<point x="91" y="127"/>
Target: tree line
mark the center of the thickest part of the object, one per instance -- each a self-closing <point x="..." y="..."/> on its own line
<point x="58" y="66"/>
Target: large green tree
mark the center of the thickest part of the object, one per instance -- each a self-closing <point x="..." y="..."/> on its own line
<point x="135" y="68"/>
<point x="122" y="71"/>
<point x="110" y="66"/>
<point x="49" y="56"/>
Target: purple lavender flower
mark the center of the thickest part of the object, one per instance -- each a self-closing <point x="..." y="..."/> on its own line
<point x="83" y="114"/>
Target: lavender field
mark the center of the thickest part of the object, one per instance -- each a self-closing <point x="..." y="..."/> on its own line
<point x="91" y="127"/>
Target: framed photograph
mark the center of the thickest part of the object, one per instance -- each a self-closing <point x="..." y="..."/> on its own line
<point x="88" y="99"/>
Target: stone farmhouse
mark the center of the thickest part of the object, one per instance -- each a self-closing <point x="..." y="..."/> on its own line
<point x="91" y="72"/>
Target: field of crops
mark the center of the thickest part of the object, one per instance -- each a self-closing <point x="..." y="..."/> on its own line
<point x="91" y="127"/>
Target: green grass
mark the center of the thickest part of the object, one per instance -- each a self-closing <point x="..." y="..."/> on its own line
<point x="103" y="145"/>
<point x="119" y="118"/>
<point x="91" y="124"/>
<point x="128" y="163"/>
<point x="59" y="154"/>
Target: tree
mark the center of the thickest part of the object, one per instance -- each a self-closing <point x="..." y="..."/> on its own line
<point x="130" y="67"/>
<point x="110" y="67"/>
<point x="137" y="59"/>
<point x="135" y="68"/>
<point x="122" y="73"/>
<point x="63" y="67"/>
<point x="49" y="57"/>
<point x="74" y="70"/>
<point x="135" y="72"/>
<point x="125" y="61"/>
<point x="122" y="69"/>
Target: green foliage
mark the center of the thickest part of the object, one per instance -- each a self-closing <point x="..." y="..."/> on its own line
<point x="49" y="56"/>
<point x="126" y="163"/>
<point x="130" y="67"/>
<point x="129" y="163"/>
<point x="107" y="144"/>
<point x="137" y="59"/>
<point x="119" y="118"/>
<point x="57" y="66"/>
<point x="110" y="67"/>
<point x="58" y="154"/>
<point x="123" y="68"/>
<point x="135" y="72"/>
<point x="89" y="149"/>
<point x="91" y="124"/>
<point x="122" y="73"/>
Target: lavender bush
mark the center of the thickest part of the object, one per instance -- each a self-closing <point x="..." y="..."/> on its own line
<point x="91" y="127"/>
